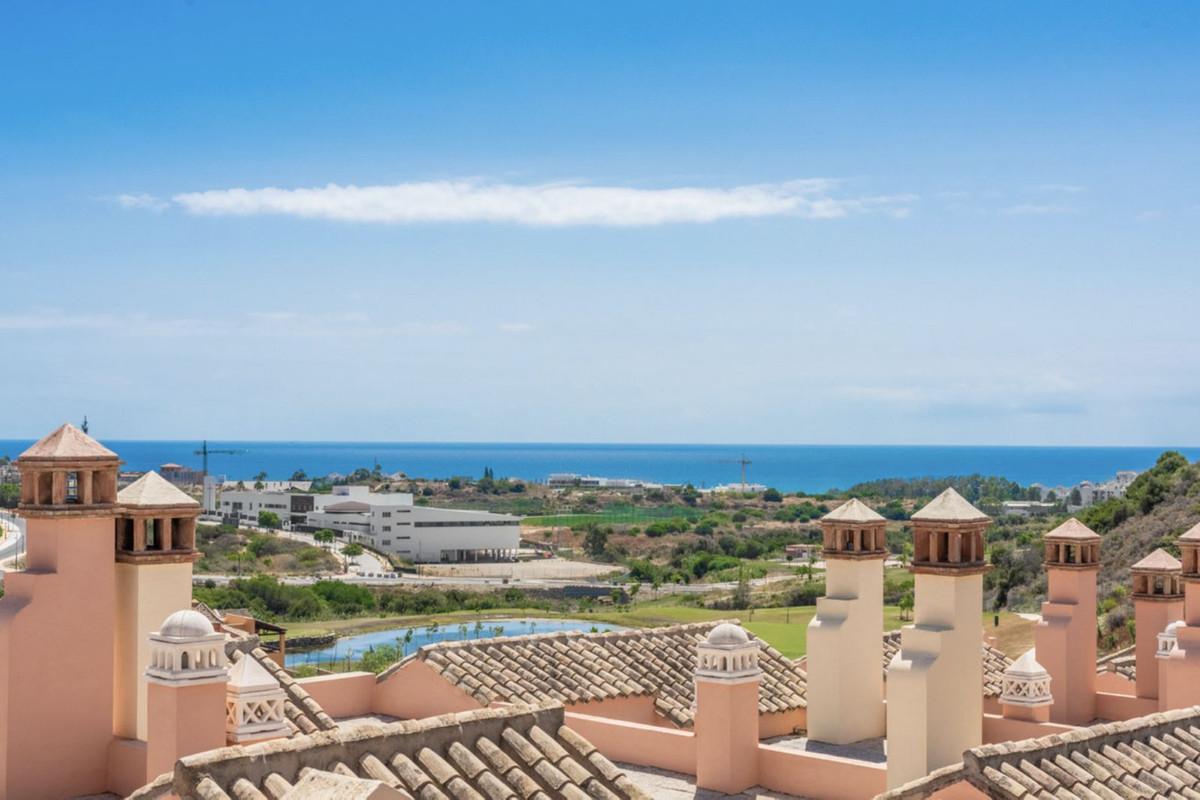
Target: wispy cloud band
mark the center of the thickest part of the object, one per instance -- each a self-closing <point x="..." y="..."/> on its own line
<point x="545" y="205"/>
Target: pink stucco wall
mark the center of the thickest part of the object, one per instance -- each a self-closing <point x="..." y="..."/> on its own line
<point x="347" y="694"/>
<point x="638" y="709"/>
<point x="1114" y="683"/>
<point x="126" y="766"/>
<point x="1006" y="729"/>
<point x="635" y="743"/>
<point x="958" y="791"/>
<point x="1121" y="707"/>
<point x="817" y="776"/>
<point x="783" y="723"/>
<point x="415" y="691"/>
<point x="57" y="696"/>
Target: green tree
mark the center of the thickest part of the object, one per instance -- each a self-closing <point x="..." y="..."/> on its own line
<point x="299" y="475"/>
<point x="595" y="540"/>
<point x="268" y="519"/>
<point x="324" y="536"/>
<point x="907" y="601"/>
<point x="352" y="551"/>
<point x="772" y="496"/>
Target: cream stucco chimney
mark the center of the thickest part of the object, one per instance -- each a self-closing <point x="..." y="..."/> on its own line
<point x="934" y="683"/>
<point x="845" y="638"/>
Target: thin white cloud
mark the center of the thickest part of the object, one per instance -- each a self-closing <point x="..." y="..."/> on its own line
<point x="516" y="327"/>
<point x="1063" y="188"/>
<point x="547" y="205"/>
<point x="1034" y="209"/>
<point x="143" y="201"/>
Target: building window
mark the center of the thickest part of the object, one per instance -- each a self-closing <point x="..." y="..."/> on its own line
<point x="387" y="528"/>
<point x="387" y="513"/>
<point x="387" y="542"/>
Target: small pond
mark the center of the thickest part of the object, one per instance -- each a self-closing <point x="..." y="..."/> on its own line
<point x="352" y="647"/>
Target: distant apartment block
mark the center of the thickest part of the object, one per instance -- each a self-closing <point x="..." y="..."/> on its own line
<point x="387" y="522"/>
<point x="563" y="480"/>
<point x="1091" y="493"/>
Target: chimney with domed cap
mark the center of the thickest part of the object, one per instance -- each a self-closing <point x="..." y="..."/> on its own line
<point x="1157" y="602"/>
<point x="1065" y="637"/>
<point x="726" y="722"/>
<point x="845" y="637"/>
<point x="186" y="690"/>
<point x="934" y="706"/>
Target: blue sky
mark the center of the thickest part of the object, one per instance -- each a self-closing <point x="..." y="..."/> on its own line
<point x="696" y="222"/>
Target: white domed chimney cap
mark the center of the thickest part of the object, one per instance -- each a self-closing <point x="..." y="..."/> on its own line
<point x="186" y="624"/>
<point x="727" y="635"/>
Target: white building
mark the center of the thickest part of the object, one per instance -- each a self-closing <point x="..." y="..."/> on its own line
<point x="387" y="522"/>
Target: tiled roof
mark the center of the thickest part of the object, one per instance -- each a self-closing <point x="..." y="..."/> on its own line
<point x="1123" y="662"/>
<point x="994" y="662"/>
<point x="1074" y="530"/>
<point x="853" y="510"/>
<point x="303" y="712"/>
<point x="68" y="442"/>
<point x="153" y="490"/>
<point x="1153" y="756"/>
<point x="950" y="506"/>
<point x="577" y="667"/>
<point x="1192" y="534"/>
<point x="513" y="752"/>
<point x="1159" y="561"/>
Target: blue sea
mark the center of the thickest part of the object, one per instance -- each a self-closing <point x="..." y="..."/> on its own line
<point x="811" y="468"/>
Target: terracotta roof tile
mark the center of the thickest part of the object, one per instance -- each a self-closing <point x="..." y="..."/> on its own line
<point x="518" y="751"/>
<point x="577" y="667"/>
<point x="1151" y="756"/>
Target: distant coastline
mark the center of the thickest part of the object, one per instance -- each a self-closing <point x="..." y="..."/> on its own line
<point x="813" y="468"/>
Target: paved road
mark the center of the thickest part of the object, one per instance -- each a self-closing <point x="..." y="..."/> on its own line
<point x="14" y="534"/>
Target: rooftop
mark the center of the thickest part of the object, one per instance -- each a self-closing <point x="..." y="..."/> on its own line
<point x="1159" y="561"/>
<point x="518" y="751"/>
<point x="154" y="491"/>
<point x="573" y="667"/>
<point x="950" y="506"/>
<point x="1152" y="756"/>
<point x="1074" y="530"/>
<point x="853" y="510"/>
<point x="68" y="443"/>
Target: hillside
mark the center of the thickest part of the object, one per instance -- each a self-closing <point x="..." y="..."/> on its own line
<point x="1160" y="505"/>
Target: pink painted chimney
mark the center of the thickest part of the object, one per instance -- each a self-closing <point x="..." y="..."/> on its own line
<point x="1157" y="602"/>
<point x="727" y="679"/>
<point x="1065" y="639"/>
<point x="186" y="691"/>
<point x="1179" y="666"/>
